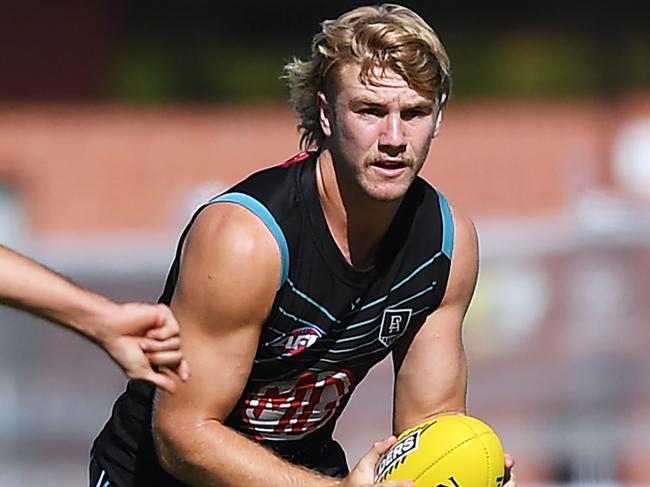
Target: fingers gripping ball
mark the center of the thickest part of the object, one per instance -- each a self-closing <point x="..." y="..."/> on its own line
<point x="449" y="451"/>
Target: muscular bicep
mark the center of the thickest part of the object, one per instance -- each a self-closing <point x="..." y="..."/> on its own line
<point x="431" y="370"/>
<point x="228" y="276"/>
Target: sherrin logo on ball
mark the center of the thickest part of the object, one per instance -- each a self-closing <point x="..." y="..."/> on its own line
<point x="448" y="451"/>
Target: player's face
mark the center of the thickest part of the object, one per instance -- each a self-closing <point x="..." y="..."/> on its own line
<point x="379" y="134"/>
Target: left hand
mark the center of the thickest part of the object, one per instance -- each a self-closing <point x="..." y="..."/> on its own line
<point x="362" y="475"/>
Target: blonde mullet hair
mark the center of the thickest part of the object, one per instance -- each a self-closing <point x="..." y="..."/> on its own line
<point x="378" y="38"/>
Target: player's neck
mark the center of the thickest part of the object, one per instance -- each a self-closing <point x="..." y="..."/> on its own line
<point x="357" y="223"/>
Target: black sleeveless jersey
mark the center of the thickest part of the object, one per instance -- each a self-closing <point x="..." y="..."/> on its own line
<point x="329" y="323"/>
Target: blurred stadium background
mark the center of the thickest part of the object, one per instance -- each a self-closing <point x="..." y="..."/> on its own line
<point x="117" y="118"/>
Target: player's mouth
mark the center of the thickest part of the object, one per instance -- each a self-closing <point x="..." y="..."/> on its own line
<point x="391" y="168"/>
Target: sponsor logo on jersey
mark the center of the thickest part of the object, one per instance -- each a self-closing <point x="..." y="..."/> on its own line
<point x="393" y="325"/>
<point x="295" y="342"/>
<point x="291" y="409"/>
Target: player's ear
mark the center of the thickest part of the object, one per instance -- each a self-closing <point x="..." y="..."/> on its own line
<point x="324" y="114"/>
<point x="441" y="109"/>
<point x="436" y="129"/>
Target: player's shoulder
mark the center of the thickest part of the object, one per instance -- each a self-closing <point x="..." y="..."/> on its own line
<point x="446" y="205"/>
<point x="458" y="227"/>
<point x="229" y="252"/>
<point x="235" y="235"/>
<point x="463" y="224"/>
<point x="233" y="227"/>
<point x="464" y="229"/>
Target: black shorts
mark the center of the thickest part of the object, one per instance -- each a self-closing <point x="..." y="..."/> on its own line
<point x="328" y="458"/>
<point x="98" y="476"/>
<point x="325" y="456"/>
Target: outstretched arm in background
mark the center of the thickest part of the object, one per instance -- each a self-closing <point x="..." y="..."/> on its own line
<point x="138" y="336"/>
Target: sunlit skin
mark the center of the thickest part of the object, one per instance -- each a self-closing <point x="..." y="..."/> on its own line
<point x="379" y="134"/>
<point x="377" y="137"/>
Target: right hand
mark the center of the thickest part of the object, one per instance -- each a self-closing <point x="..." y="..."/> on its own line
<point x="144" y="340"/>
<point x="363" y="474"/>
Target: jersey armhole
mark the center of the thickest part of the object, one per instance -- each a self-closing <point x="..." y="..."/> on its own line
<point x="447" y="226"/>
<point x="262" y="212"/>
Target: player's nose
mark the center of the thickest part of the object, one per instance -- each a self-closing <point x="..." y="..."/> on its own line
<point x="392" y="138"/>
<point x="393" y="133"/>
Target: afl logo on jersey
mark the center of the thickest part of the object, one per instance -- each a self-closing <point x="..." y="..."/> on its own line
<point x="393" y="325"/>
<point x="295" y="342"/>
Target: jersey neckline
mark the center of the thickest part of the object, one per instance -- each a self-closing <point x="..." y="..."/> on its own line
<point x="323" y="240"/>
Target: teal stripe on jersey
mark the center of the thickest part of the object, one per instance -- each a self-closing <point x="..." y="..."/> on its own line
<point x="447" y="226"/>
<point x="312" y="302"/>
<point x="259" y="210"/>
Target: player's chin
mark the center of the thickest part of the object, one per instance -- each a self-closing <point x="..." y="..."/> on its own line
<point x="389" y="193"/>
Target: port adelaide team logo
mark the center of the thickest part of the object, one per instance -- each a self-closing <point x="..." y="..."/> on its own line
<point x="393" y="325"/>
<point x="296" y="341"/>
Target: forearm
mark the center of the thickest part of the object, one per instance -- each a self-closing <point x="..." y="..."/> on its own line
<point x="428" y="388"/>
<point x="211" y="455"/>
<point x="27" y="285"/>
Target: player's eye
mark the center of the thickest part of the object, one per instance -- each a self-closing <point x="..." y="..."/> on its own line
<point x="371" y="111"/>
<point x="414" y="113"/>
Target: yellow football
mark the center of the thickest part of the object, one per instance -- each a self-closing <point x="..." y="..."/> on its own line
<point x="448" y="451"/>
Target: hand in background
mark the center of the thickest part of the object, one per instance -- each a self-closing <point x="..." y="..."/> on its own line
<point x="144" y="340"/>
